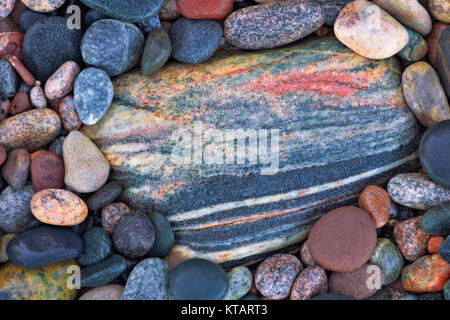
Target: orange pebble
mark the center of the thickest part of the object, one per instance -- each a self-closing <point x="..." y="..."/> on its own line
<point x="426" y="274"/>
<point x="434" y="243"/>
<point x="36" y="153"/>
<point x="375" y="201"/>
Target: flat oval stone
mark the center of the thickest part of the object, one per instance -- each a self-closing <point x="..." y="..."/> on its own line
<point x="426" y="274"/>
<point x="6" y="8"/>
<point x="409" y="12"/>
<point x="375" y="201"/>
<point x="440" y="9"/>
<point x="436" y="221"/>
<point x="16" y="168"/>
<point x="310" y="282"/>
<point x="30" y="130"/>
<point x="37" y="97"/>
<point x="107" y="194"/>
<point x="149" y="280"/>
<point x="389" y="259"/>
<point x="45" y="283"/>
<point x="273" y="24"/>
<point x="195" y="41"/>
<point x="43" y="5"/>
<point x="47" y="171"/>
<point x="93" y="93"/>
<point x="61" y="82"/>
<point x="416" y="190"/>
<point x="201" y="9"/>
<point x="68" y="114"/>
<point x="97" y="246"/>
<point x="103" y="272"/>
<point x="416" y="48"/>
<point x="113" y="46"/>
<point x="164" y="238"/>
<point x="8" y="80"/>
<point x="58" y="207"/>
<point x="43" y="246"/>
<point x="106" y="292"/>
<point x="369" y="30"/>
<point x="240" y="279"/>
<point x="443" y="58"/>
<point x="48" y="44"/>
<point x="410" y="238"/>
<point x="20" y="103"/>
<point x="86" y="169"/>
<point x="157" y="51"/>
<point x="424" y="94"/>
<point x="15" y="209"/>
<point x="343" y="240"/>
<point x="135" y="11"/>
<point x="198" y="279"/>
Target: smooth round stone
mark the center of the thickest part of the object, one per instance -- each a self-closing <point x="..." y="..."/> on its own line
<point x="275" y="275"/>
<point x="442" y="60"/>
<point x="424" y="94"/>
<point x="20" y="103"/>
<point x="409" y="12"/>
<point x="440" y="9"/>
<point x="93" y="93"/>
<point x="45" y="283"/>
<point x="134" y="235"/>
<point x="343" y="239"/>
<point x="68" y="114"/>
<point x="43" y="5"/>
<point x="157" y="51"/>
<point x="48" y="44"/>
<point x="29" y="17"/>
<point x="444" y="249"/>
<point x="205" y="9"/>
<point x="3" y="246"/>
<point x="6" y="7"/>
<point x="16" y="168"/>
<point x="97" y="246"/>
<point x="93" y="16"/>
<point x="198" y="279"/>
<point x="149" y="280"/>
<point x="43" y="246"/>
<point x="416" y="49"/>
<point x="389" y="259"/>
<point x="436" y="221"/>
<point x="331" y="9"/>
<point x="30" y="130"/>
<point x="61" y="82"/>
<point x="410" y="238"/>
<point x="169" y="10"/>
<point x="240" y="279"/>
<point x="86" y="169"/>
<point x="135" y="11"/>
<point x="332" y="296"/>
<point x="15" y="209"/>
<point x="112" y="213"/>
<point x="106" y="292"/>
<point x="164" y="238"/>
<point x="273" y="24"/>
<point x="58" y="207"/>
<point x="305" y="255"/>
<point x="195" y="41"/>
<point x="375" y="201"/>
<point x="47" y="171"/>
<point x="37" y="97"/>
<point x="310" y="282"/>
<point x="103" y="272"/>
<point x="429" y="273"/>
<point x="113" y="46"/>
<point x="416" y="190"/>
<point x="354" y="283"/>
<point x="107" y="194"/>
<point x="369" y="30"/>
<point x="8" y="80"/>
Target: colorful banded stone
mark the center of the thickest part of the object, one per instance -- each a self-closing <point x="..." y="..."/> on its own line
<point x="232" y="214"/>
<point x="416" y="49"/>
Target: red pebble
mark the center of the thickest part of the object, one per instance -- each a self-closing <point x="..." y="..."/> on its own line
<point x="434" y="243"/>
<point x="20" y="103"/>
<point x="22" y="70"/>
<point x="205" y="9"/>
<point x="375" y="201"/>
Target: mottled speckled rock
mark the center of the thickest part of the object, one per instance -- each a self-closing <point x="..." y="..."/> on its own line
<point x="8" y="80"/>
<point x="16" y="168"/>
<point x="156" y="52"/>
<point x="112" y="213"/>
<point x="3" y="246"/>
<point x="443" y="60"/>
<point x="424" y="94"/>
<point x="240" y="279"/>
<point x="213" y="212"/>
<point x="46" y="283"/>
<point x="205" y="9"/>
<point x="97" y="246"/>
<point x="15" y="209"/>
<point x="43" y="246"/>
<point x="410" y="238"/>
<point x="375" y="201"/>
<point x="409" y="12"/>
<point x="416" y="190"/>
<point x="106" y="292"/>
<point x="416" y="48"/>
<point x="426" y="274"/>
<point x="434" y="243"/>
<point x="440" y="9"/>
<point x="275" y="276"/>
<point x="444" y="249"/>
<point x="107" y="194"/>
<point x="6" y="7"/>
<point x="310" y="282"/>
<point x="103" y="272"/>
<point x="113" y="46"/>
<point x="135" y="11"/>
<point x="436" y="221"/>
<point x="273" y="24"/>
<point x="389" y="259"/>
<point x="195" y="41"/>
<point x="198" y="279"/>
<point x="369" y="30"/>
<point x="61" y="82"/>
<point x="86" y="169"/>
<point x="48" y="44"/>
<point x="93" y="94"/>
<point x="37" y="97"/>
<point x="68" y="114"/>
<point x="30" y="130"/>
<point x="354" y="283"/>
<point x="164" y="239"/>
<point x="149" y="280"/>
<point x="58" y="207"/>
<point x="43" y="5"/>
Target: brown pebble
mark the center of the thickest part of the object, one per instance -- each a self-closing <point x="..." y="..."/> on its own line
<point x="3" y="154"/>
<point x="16" y="168"/>
<point x="47" y="171"/>
<point x="410" y="239"/>
<point x="11" y="44"/>
<point x="20" y="103"/>
<point x="26" y="75"/>
<point x="310" y="282"/>
<point x="68" y="114"/>
<point x="375" y="201"/>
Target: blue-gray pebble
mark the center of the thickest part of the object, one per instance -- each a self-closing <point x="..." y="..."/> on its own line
<point x="8" y="80"/>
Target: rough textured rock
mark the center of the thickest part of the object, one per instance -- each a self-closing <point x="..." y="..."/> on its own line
<point x="241" y="280"/>
<point x="61" y="82"/>
<point x="43" y="5"/>
<point x="375" y="201"/>
<point x="16" y="168"/>
<point x="310" y="282"/>
<point x="15" y="209"/>
<point x="426" y="274"/>
<point x="97" y="246"/>
<point x="8" y="80"/>
<point x="410" y="238"/>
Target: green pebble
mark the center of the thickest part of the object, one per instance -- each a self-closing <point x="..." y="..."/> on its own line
<point x="104" y="272"/>
<point x="436" y="221"/>
<point x="157" y="51"/>
<point x="240" y="279"/>
<point x="96" y="246"/>
<point x="389" y="259"/>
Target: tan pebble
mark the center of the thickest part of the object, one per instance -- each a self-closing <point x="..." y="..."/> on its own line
<point x="107" y="292"/>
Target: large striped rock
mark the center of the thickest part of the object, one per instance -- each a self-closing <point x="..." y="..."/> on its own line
<point x="343" y="125"/>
